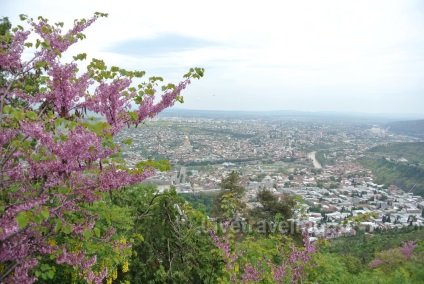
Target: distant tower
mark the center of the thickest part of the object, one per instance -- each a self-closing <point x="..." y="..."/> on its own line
<point x="186" y="142"/>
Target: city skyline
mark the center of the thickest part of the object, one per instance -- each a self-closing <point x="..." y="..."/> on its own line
<point x="314" y="56"/>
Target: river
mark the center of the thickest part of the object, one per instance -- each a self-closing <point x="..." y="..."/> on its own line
<point x="311" y="155"/>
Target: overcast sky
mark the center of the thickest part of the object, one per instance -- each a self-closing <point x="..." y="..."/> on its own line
<point x="348" y="56"/>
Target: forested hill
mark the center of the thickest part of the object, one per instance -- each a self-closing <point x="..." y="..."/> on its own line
<point x="412" y="128"/>
<point x="413" y="152"/>
<point x="401" y="164"/>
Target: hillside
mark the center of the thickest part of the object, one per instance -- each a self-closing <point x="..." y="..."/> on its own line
<point x="412" y="128"/>
<point x="401" y="164"/>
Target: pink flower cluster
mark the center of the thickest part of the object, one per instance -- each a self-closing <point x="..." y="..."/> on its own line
<point x="407" y="251"/>
<point x="11" y="60"/>
<point x="295" y="263"/>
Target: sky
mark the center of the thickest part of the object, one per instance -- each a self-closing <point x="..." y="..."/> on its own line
<point x="307" y="55"/>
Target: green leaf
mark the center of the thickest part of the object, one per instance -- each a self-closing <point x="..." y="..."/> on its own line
<point x="45" y="212"/>
<point x="41" y="64"/>
<point x="58" y="225"/>
<point x="63" y="190"/>
<point x="38" y="218"/>
<point x="138" y="99"/>
<point x="46" y="45"/>
<point x="64" y="138"/>
<point x="67" y="229"/>
<point x="17" y="114"/>
<point x="114" y="69"/>
<point x="81" y="36"/>
<point x="80" y="56"/>
<point x="73" y="125"/>
<point x="128" y="251"/>
<point x="200" y="71"/>
<point x="32" y="115"/>
<point x="22" y="219"/>
<point x="133" y="115"/>
<point x="87" y="234"/>
<point x="7" y="109"/>
<point x="97" y="232"/>
<point x="36" y="158"/>
<point x="58" y="121"/>
<point x="50" y="274"/>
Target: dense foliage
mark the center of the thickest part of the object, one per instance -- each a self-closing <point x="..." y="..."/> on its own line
<point x="392" y="256"/>
<point x="228" y="203"/>
<point x="173" y="244"/>
<point x="364" y="246"/>
<point x="202" y="201"/>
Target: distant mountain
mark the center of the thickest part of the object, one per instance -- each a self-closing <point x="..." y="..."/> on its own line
<point x="226" y="114"/>
<point x="412" y="128"/>
<point x="231" y="114"/>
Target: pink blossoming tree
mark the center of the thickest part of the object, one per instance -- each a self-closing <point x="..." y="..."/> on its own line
<point x="55" y="162"/>
<point x="241" y="266"/>
<point x="389" y="260"/>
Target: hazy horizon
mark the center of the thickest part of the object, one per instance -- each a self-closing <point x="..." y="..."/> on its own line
<point x="181" y="107"/>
